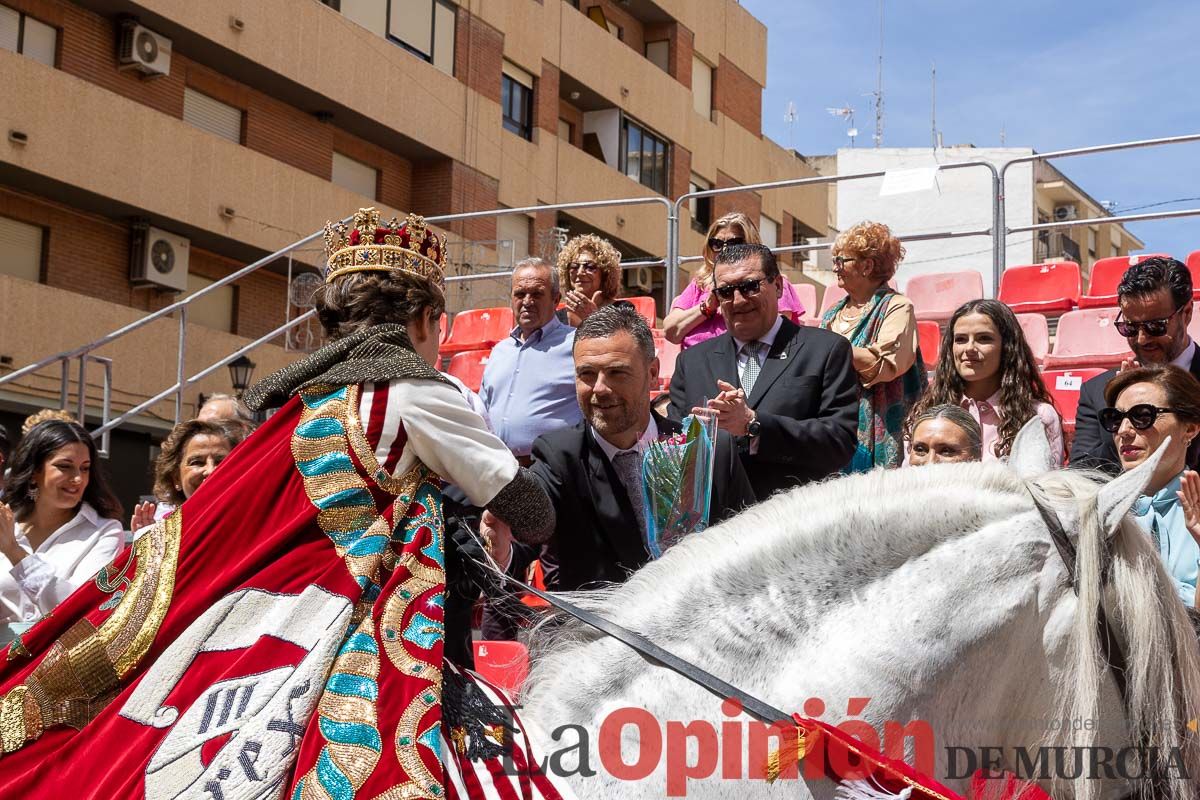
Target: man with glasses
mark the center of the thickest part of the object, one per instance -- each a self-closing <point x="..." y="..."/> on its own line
<point x="789" y="393"/>
<point x="1155" y="298"/>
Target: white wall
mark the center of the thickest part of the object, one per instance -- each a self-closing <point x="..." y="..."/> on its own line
<point x="961" y="200"/>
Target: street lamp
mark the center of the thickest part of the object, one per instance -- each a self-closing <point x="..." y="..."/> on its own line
<point x="240" y="370"/>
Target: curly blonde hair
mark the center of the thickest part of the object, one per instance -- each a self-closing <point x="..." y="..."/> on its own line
<point x="606" y="256"/>
<point x="734" y="219"/>
<point x="875" y="241"/>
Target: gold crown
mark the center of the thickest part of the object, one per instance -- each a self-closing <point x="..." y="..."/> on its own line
<point x="366" y="246"/>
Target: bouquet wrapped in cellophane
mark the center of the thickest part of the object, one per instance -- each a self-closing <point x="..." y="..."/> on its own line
<point x="677" y="483"/>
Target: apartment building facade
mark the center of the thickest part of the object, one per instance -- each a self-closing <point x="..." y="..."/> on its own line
<point x="153" y="147"/>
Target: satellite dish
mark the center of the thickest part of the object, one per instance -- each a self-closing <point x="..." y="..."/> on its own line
<point x="301" y="290"/>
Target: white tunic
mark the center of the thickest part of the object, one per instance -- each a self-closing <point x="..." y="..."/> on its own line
<point x="65" y="561"/>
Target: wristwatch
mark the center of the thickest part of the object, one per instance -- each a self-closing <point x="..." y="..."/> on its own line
<point x="754" y="428"/>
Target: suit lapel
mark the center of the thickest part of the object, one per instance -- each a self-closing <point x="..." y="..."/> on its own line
<point x="722" y="362"/>
<point x="613" y="511"/>
<point x="785" y="345"/>
<point x="1195" y="368"/>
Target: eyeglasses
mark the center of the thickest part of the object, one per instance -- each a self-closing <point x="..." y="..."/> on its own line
<point x="842" y="261"/>
<point x="1153" y="327"/>
<point x="1141" y="416"/>
<point x="583" y="266"/>
<point x="748" y="288"/>
<point x="717" y="245"/>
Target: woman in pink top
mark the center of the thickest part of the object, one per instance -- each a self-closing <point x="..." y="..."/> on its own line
<point x="694" y="316"/>
<point x="986" y="367"/>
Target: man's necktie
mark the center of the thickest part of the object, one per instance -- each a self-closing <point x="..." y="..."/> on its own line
<point x="629" y="469"/>
<point x="751" y="369"/>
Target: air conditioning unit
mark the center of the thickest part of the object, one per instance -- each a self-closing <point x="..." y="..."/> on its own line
<point x="1066" y="212"/>
<point x="159" y="259"/>
<point x="643" y="277"/>
<point x="144" y="50"/>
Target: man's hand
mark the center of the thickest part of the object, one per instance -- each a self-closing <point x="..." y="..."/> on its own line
<point x="1128" y="364"/>
<point x="729" y="406"/>
<point x="498" y="536"/>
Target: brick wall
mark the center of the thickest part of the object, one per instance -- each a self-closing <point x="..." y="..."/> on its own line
<point x="478" y="54"/>
<point x="749" y="203"/>
<point x="737" y="96"/>
<point x="445" y="186"/>
<point x="89" y="254"/>
<point x="785" y="238"/>
<point x="545" y="100"/>
<point x="395" y="172"/>
<point x="681" y="170"/>
<point x="574" y="116"/>
<point x="679" y="58"/>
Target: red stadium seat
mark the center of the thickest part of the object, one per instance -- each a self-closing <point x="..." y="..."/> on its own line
<point x="929" y="339"/>
<point x="667" y="353"/>
<point x="833" y="293"/>
<point x="645" y="306"/>
<point x="505" y="664"/>
<point x="468" y="367"/>
<point x="1088" y="338"/>
<point x="477" y="329"/>
<point x="1194" y="326"/>
<point x="937" y="295"/>
<point x="1106" y="275"/>
<point x="1037" y="334"/>
<point x="808" y="298"/>
<point x="1045" y="288"/>
<point x="1064" y="386"/>
<point x="1193" y="265"/>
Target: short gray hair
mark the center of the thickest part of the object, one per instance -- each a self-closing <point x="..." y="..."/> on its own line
<point x="959" y="417"/>
<point x="534" y="261"/>
<point x="615" y="318"/>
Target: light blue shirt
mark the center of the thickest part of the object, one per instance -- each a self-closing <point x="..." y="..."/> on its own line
<point x="529" y="386"/>
<point x="1162" y="517"/>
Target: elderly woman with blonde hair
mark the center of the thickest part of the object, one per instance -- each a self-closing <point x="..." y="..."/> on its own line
<point x="882" y="328"/>
<point x="589" y="269"/>
<point x="695" y="316"/>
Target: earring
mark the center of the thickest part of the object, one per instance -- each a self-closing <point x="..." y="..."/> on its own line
<point x="33" y="493"/>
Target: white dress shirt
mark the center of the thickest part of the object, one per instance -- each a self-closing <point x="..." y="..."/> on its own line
<point x="1184" y="359"/>
<point x="649" y="435"/>
<point x="65" y="561"/>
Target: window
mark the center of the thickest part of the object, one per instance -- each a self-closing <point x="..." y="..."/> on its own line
<point x="702" y="79"/>
<point x="210" y="114"/>
<point x="215" y="309"/>
<point x="769" y="230"/>
<point x="516" y="100"/>
<point x="21" y="33"/>
<point x="643" y="156"/>
<point x="700" y="207"/>
<point x="355" y="175"/>
<point x="1114" y="238"/>
<point x="659" y="54"/>
<point x="423" y="27"/>
<point x="1091" y="241"/>
<point x="21" y="249"/>
<point x="566" y="131"/>
<point x="513" y="228"/>
<point x="426" y="27"/>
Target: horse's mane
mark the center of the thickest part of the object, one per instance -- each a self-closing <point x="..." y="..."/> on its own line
<point x="791" y="528"/>
<point x="1161" y="652"/>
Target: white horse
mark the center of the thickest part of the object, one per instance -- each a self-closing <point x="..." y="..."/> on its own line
<point x="936" y="593"/>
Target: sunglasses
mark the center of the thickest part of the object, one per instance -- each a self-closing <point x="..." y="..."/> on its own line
<point x="842" y="261"/>
<point x="1153" y="327"/>
<point x="717" y="245"/>
<point x="1141" y="416"/>
<point x="583" y="266"/>
<point x="748" y="288"/>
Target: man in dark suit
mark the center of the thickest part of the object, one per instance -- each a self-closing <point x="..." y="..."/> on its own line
<point x="789" y="393"/>
<point x="1155" y="298"/>
<point x="592" y="472"/>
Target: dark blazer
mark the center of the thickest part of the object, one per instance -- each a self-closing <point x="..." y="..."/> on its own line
<point x="1093" y="447"/>
<point x="597" y="537"/>
<point x="806" y="397"/>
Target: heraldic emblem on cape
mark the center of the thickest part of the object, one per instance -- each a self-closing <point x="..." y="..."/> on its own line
<point x="281" y="634"/>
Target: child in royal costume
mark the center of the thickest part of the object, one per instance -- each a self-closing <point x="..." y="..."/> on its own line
<point x="281" y="634"/>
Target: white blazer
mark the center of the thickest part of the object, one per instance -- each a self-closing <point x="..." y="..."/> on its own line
<point x="65" y="561"/>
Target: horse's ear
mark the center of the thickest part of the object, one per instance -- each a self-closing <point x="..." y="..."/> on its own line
<point x="1030" y="455"/>
<point x="1115" y="498"/>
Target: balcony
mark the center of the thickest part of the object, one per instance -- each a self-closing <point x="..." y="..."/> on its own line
<point x="1056" y="246"/>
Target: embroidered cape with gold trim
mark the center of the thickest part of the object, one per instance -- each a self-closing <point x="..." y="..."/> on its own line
<point x="281" y="633"/>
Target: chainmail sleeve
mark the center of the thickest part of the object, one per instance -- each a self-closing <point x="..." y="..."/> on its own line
<point x="526" y="507"/>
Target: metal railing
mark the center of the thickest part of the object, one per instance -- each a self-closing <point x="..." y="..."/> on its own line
<point x="671" y="261"/>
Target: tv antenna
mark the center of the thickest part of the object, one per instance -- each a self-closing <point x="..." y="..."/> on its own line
<point x="846" y="113"/>
<point x="878" y="93"/>
<point x="789" y="117"/>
